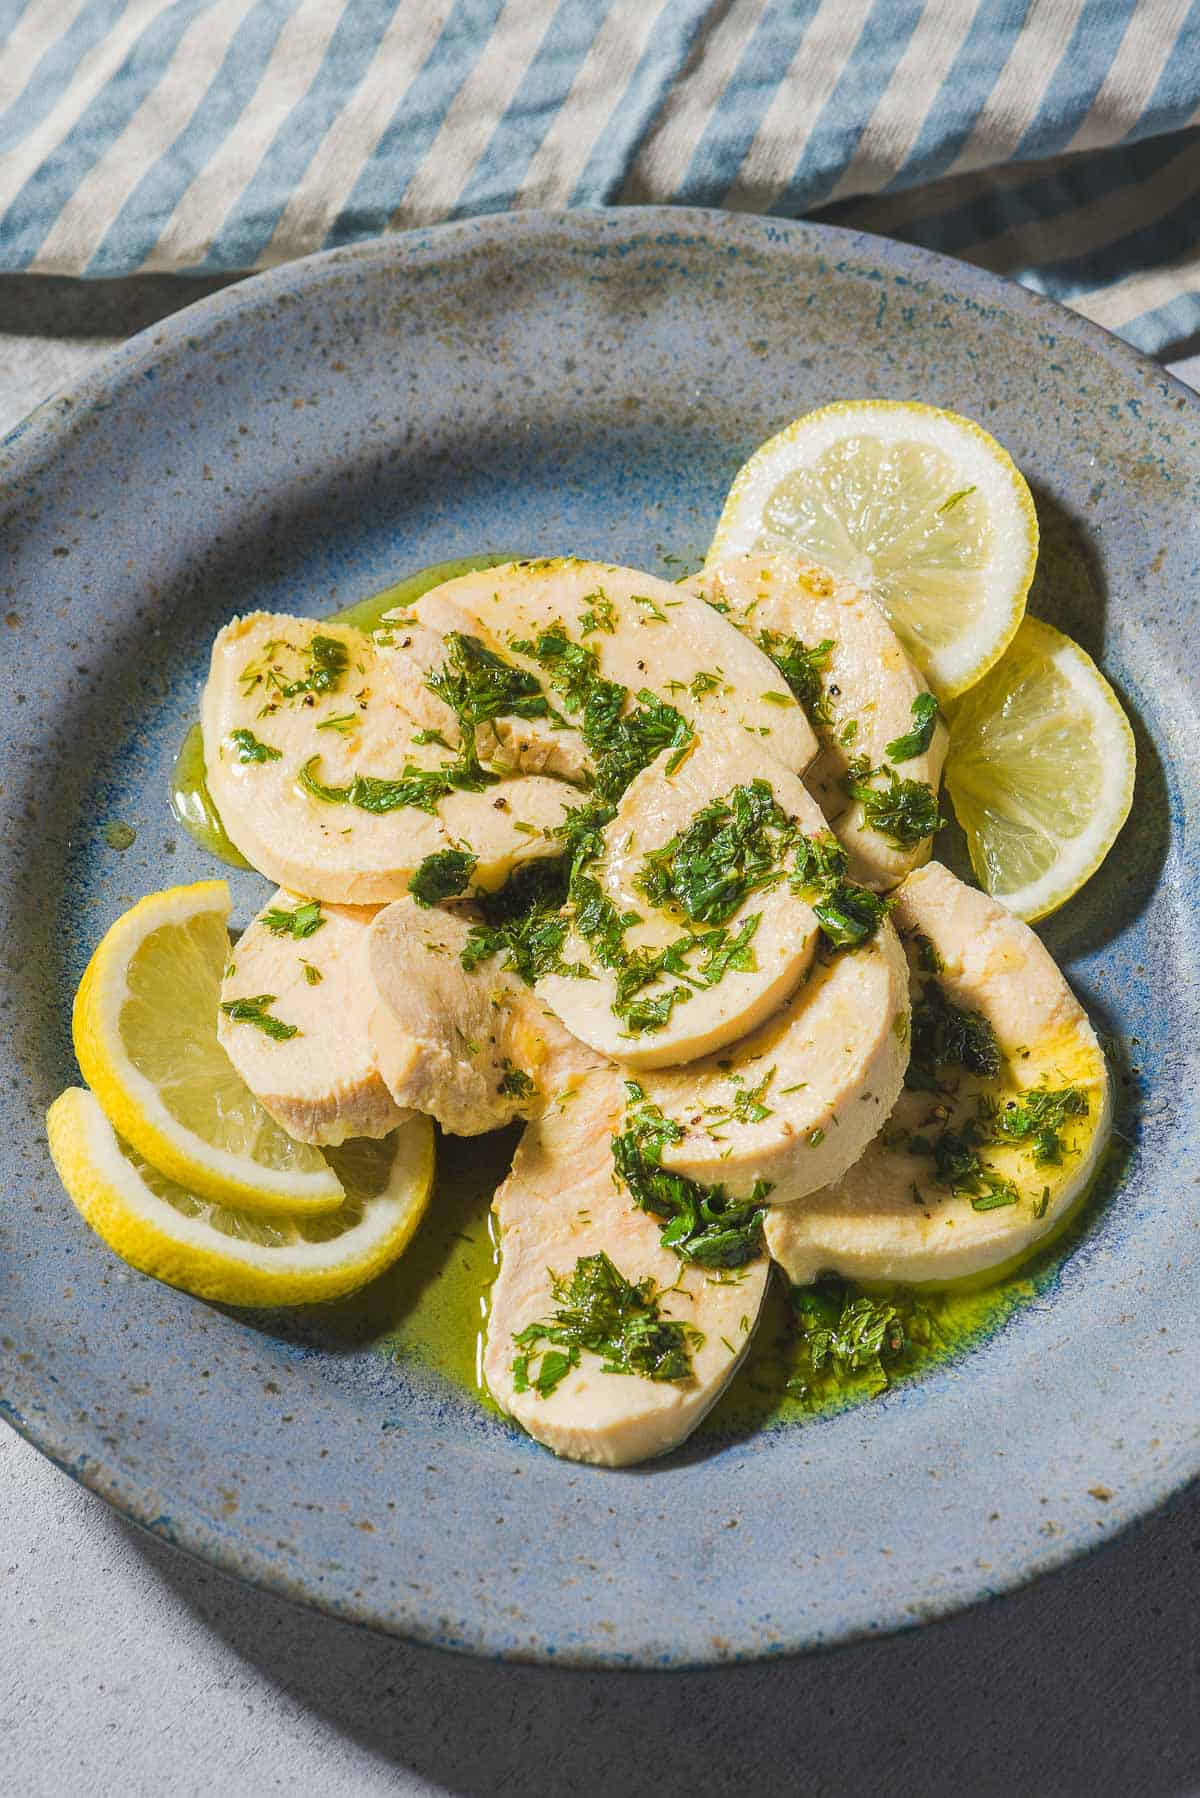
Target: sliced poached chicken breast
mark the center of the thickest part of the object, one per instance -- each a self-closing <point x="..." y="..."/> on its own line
<point x="796" y="1101"/>
<point x="558" y="1207"/>
<point x="644" y="633"/>
<point x="322" y="1084"/>
<point x="295" y="709"/>
<point x="474" y="1049"/>
<point x="867" y="682"/>
<point x="658" y="806"/>
<point x="894" y="1216"/>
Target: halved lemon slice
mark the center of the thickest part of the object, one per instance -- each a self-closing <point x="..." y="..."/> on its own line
<point x="920" y="508"/>
<point x="1040" y="769"/>
<point x="239" y="1257"/>
<point x="145" y="1028"/>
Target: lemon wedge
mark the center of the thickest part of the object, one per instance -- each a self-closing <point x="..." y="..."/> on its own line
<point x="918" y="507"/>
<point x="1040" y="770"/>
<point x="238" y="1257"/>
<point x="145" y="1029"/>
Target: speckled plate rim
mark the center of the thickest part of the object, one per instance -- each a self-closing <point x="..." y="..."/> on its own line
<point x="28" y="1408"/>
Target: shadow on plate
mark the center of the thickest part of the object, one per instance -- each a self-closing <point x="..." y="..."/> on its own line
<point x="1083" y="1683"/>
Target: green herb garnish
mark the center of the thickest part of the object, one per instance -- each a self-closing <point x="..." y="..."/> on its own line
<point x="1037" y="1119"/>
<point x="343" y="722"/>
<point x="598" y="1309"/>
<point x="945" y="1036"/>
<point x="948" y="505"/>
<point x="731" y="848"/>
<point x="600" y="616"/>
<point x="958" y="1167"/>
<point x="254" y="1011"/>
<point x="703" y="1224"/>
<point x="249" y="749"/>
<point x="918" y="739"/>
<point x="305" y="921"/>
<point x="903" y="811"/>
<point x="516" y="1083"/>
<point x="443" y="875"/>
<point x="801" y="668"/>
<point x="328" y="661"/>
<point x="849" y="914"/>
<point x="844" y="1335"/>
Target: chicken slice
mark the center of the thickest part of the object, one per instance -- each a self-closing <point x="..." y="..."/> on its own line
<point x="657" y="806"/>
<point x="322" y="1083"/>
<point x="645" y="634"/>
<point x="474" y="1049"/>
<point x="867" y="686"/>
<point x="288" y="724"/>
<point x="558" y="1208"/>
<point x="797" y="1101"/>
<point x="893" y="1215"/>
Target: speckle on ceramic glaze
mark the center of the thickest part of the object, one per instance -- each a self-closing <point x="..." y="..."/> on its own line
<point x="586" y="383"/>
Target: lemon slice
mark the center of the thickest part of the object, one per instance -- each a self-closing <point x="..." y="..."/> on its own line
<point x="145" y="1028"/>
<point x="1040" y="769"/>
<point x="919" y="508"/>
<point x="239" y="1257"/>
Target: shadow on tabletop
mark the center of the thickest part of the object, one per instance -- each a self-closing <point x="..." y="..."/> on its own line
<point x="68" y="308"/>
<point x="1084" y="1683"/>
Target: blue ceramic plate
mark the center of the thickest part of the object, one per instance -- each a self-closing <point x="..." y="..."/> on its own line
<point x="586" y="383"/>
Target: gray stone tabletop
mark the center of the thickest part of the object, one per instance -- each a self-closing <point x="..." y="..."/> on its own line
<point x="127" y="1669"/>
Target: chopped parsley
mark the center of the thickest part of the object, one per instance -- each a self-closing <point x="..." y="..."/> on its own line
<point x="843" y="1333"/>
<point x="849" y="914"/>
<point x="801" y="668"/>
<point x="945" y="1036"/>
<point x="949" y="504"/>
<point x="254" y="1011"/>
<point x="249" y="749"/>
<point x="601" y="614"/>
<point x="341" y="723"/>
<point x="305" y="921"/>
<point x="702" y="1223"/>
<point x="917" y="740"/>
<point x="312" y="975"/>
<point x="516" y="1083"/>
<point x="624" y="745"/>
<point x="903" y="811"/>
<point x="598" y="1309"/>
<point x="524" y="922"/>
<point x="443" y="875"/>
<point x="928" y="959"/>
<point x="479" y="685"/>
<point x="422" y="788"/>
<point x="732" y="848"/>
<point x="621" y="744"/>
<point x="649" y="605"/>
<point x="328" y="661"/>
<point x="1037" y="1118"/>
<point x="958" y="1166"/>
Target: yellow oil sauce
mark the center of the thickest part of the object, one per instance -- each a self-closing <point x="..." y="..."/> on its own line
<point x="191" y="801"/>
<point x="431" y="1309"/>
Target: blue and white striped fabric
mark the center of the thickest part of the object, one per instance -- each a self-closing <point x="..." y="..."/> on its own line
<point x="1052" y="140"/>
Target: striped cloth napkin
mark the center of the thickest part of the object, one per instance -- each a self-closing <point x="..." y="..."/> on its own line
<point x="1050" y="140"/>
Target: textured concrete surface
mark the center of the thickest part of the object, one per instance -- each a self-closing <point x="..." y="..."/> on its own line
<point x="128" y="1670"/>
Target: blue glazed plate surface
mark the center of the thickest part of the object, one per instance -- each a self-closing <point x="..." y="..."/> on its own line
<point x="586" y="383"/>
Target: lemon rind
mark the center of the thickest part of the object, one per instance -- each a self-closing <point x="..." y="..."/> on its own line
<point x="147" y="1234"/>
<point x="1030" y="903"/>
<point x="131" y="1101"/>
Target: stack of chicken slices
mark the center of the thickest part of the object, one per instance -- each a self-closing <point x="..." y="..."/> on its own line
<point x="645" y="866"/>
